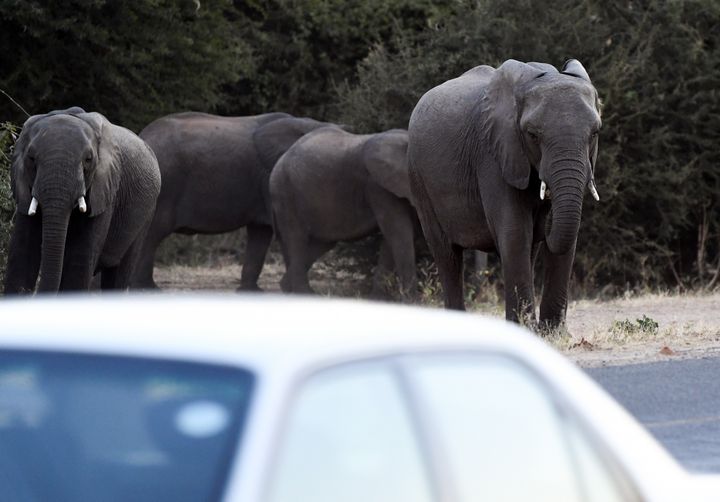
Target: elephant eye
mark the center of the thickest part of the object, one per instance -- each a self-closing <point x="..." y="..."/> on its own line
<point x="88" y="159"/>
<point x="534" y="137"/>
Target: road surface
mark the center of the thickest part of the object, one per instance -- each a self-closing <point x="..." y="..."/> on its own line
<point x="678" y="401"/>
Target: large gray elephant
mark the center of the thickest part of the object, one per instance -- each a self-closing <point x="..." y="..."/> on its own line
<point x="85" y="191"/>
<point x="499" y="161"/>
<point x="215" y="172"/>
<point x="335" y="186"/>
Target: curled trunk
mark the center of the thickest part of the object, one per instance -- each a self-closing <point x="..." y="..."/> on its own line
<point x="567" y="188"/>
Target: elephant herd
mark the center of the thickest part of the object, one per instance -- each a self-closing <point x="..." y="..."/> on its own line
<point x="497" y="160"/>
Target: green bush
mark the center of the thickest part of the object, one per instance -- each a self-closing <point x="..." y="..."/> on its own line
<point x="8" y="133"/>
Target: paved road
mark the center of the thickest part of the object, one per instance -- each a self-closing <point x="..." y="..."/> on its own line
<point x="678" y="401"/>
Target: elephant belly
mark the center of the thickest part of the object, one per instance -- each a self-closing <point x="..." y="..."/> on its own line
<point x="333" y="217"/>
<point x="221" y="203"/>
<point x="463" y="223"/>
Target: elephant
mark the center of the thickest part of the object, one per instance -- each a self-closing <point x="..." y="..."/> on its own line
<point x="331" y="186"/>
<point x="215" y="173"/>
<point x="499" y="161"/>
<point x="85" y="191"/>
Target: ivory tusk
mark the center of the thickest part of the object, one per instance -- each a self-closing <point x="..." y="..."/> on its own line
<point x="594" y="191"/>
<point x="81" y="204"/>
<point x="543" y="187"/>
<point x="33" y="207"/>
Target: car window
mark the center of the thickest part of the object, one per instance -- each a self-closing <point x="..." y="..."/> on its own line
<point x="350" y="438"/>
<point x="598" y="484"/>
<point x="503" y="436"/>
<point x="83" y="427"/>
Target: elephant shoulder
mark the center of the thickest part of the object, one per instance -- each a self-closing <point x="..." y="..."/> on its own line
<point x="479" y="72"/>
<point x="442" y="110"/>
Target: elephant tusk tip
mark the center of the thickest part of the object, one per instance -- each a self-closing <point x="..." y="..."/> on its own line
<point x="594" y="191"/>
<point x="543" y="187"/>
<point x="33" y="207"/>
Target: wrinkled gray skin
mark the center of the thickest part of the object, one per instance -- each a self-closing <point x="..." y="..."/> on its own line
<point x="58" y="158"/>
<point x="335" y="186"/>
<point x="480" y="145"/>
<point x="215" y="172"/>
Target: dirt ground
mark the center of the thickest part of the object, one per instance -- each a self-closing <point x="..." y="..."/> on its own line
<point x="644" y="328"/>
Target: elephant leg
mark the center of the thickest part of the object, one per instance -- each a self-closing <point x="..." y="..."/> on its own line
<point x="449" y="260"/>
<point x="381" y="276"/>
<point x="258" y="242"/>
<point x="516" y="256"/>
<point x="80" y="249"/>
<point x="285" y="284"/>
<point x="120" y="277"/>
<point x="163" y="224"/>
<point x="303" y="258"/>
<point x="395" y="219"/>
<point x="447" y="256"/>
<point x="23" y="264"/>
<point x="556" y="282"/>
<point x="296" y="244"/>
<point x="143" y="275"/>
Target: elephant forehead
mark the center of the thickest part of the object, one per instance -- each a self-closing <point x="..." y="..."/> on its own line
<point x="574" y="99"/>
<point x="559" y="90"/>
<point x="66" y="129"/>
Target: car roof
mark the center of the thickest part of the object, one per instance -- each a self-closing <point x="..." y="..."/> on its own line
<point x="250" y="329"/>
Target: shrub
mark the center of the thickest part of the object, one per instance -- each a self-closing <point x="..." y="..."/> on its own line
<point x="8" y="133"/>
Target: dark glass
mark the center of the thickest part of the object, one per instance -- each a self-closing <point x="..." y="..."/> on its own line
<point x="101" y="428"/>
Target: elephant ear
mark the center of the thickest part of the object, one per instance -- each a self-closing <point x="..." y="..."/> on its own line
<point x="593" y="156"/>
<point x="102" y="180"/>
<point x="22" y="172"/>
<point x="576" y="69"/>
<point x="499" y="128"/>
<point x="385" y="156"/>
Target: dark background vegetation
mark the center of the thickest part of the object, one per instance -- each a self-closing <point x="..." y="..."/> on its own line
<point x="365" y="63"/>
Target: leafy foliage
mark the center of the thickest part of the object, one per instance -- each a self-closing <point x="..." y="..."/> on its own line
<point x="303" y="50"/>
<point x="132" y="61"/>
<point x="8" y="133"/>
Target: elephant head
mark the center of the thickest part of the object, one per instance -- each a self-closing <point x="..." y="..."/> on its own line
<point x="62" y="161"/>
<point x="533" y="117"/>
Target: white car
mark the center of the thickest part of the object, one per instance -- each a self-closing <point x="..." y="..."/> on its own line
<point x="267" y="399"/>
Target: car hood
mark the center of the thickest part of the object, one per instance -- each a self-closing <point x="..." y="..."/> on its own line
<point x="706" y="487"/>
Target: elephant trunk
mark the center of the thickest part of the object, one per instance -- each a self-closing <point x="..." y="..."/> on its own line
<point x="55" y="220"/>
<point x="567" y="186"/>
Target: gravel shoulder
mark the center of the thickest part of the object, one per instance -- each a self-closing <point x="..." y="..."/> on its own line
<point x="651" y="327"/>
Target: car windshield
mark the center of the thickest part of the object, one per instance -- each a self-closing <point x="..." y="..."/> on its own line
<point x="86" y="427"/>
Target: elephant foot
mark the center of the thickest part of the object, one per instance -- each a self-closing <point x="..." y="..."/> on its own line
<point x="380" y="294"/>
<point x="245" y="288"/>
<point x="285" y="284"/>
<point x="551" y="325"/>
<point x="147" y="287"/>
